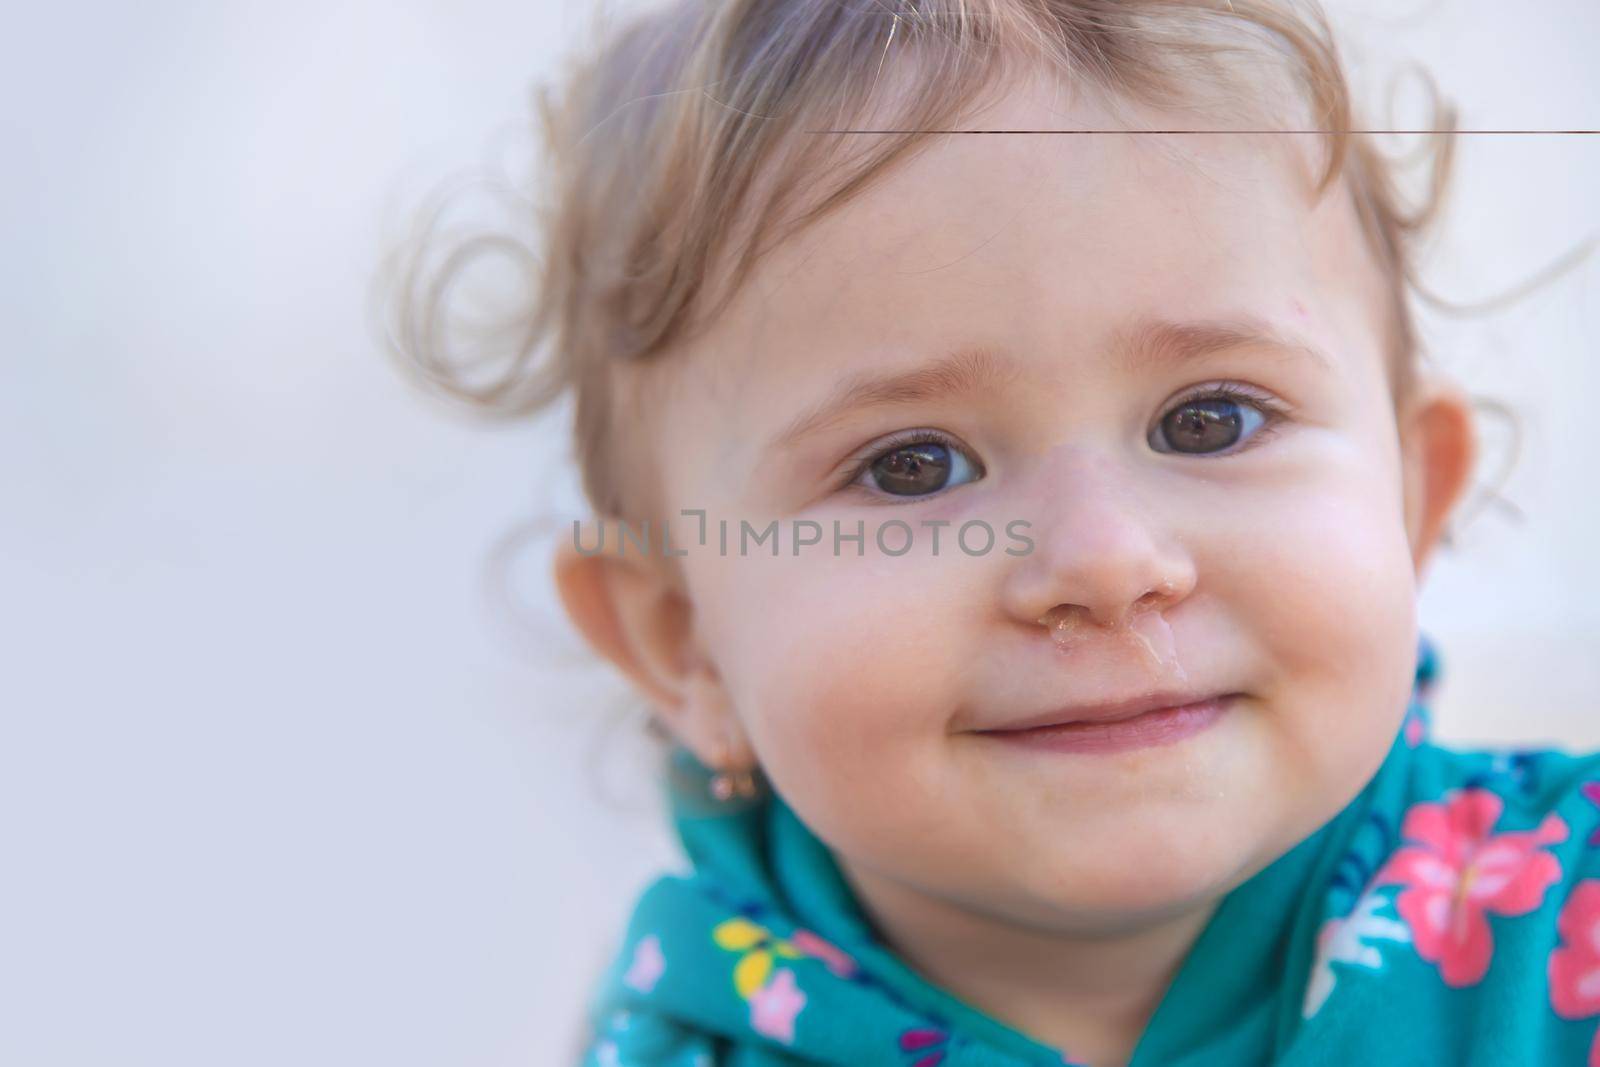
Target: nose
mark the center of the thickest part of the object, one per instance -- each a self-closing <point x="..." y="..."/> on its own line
<point x="1101" y="553"/>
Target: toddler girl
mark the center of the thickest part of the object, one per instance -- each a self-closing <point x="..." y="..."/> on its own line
<point x="1013" y="473"/>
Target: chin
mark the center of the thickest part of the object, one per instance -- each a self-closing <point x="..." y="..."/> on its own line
<point x="1140" y="882"/>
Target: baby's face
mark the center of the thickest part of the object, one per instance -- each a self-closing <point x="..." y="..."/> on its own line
<point x="1267" y="532"/>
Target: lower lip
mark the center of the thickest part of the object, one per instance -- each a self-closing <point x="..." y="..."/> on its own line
<point x="1163" y="726"/>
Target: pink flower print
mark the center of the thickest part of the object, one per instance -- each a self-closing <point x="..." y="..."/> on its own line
<point x="1415" y="729"/>
<point x="1457" y="872"/>
<point x="774" y="1006"/>
<point x="838" y="961"/>
<point x="927" y="1040"/>
<point x="647" y="966"/>
<point x="1591" y="792"/>
<point x="1574" y="969"/>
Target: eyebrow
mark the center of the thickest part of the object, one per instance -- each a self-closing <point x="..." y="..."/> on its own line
<point x="1153" y="343"/>
<point x="1146" y="345"/>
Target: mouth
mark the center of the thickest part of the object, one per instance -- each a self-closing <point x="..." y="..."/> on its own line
<point x="1110" y="711"/>
<point x="1116" y="727"/>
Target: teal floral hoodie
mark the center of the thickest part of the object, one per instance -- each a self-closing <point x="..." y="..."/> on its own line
<point x="1450" y="914"/>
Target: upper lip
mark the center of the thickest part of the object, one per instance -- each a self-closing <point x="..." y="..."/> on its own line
<point x="1108" y="711"/>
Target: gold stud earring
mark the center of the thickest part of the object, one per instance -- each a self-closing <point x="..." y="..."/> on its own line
<point x="725" y="784"/>
<point x="721" y="782"/>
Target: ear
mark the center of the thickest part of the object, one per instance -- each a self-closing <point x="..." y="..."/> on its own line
<point x="1439" y="450"/>
<point x="634" y="611"/>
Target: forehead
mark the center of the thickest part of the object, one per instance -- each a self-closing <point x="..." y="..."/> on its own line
<point x="1047" y="245"/>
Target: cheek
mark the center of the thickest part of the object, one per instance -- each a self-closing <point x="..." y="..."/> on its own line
<point x="1332" y="563"/>
<point x="844" y="671"/>
<point x="1331" y="595"/>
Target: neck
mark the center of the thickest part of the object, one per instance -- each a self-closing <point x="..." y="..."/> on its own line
<point x="1088" y="994"/>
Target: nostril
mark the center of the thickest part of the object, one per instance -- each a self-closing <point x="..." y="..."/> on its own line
<point x="1168" y="587"/>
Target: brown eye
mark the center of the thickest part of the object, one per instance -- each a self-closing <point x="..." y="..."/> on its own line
<point x="917" y="464"/>
<point x="913" y="470"/>
<point x="1212" y="422"/>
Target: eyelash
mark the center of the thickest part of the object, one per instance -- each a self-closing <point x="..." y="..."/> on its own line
<point x="1273" y="411"/>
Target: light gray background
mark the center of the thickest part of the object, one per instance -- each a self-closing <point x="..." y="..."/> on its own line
<point x="277" y="783"/>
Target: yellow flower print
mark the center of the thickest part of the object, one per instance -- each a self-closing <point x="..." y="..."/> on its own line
<point x="759" y="948"/>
